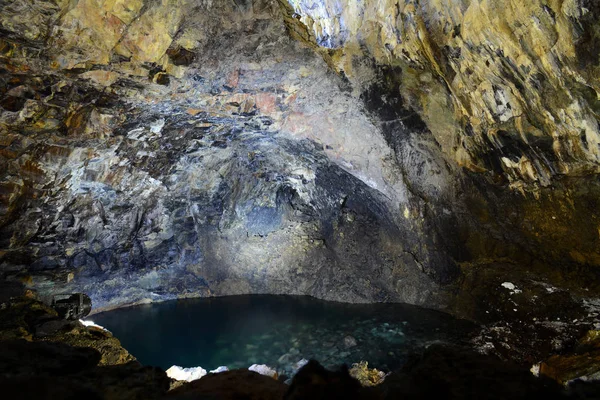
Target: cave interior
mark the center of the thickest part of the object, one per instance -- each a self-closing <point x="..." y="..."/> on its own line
<point x="438" y="156"/>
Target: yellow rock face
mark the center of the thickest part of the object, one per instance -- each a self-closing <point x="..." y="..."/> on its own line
<point x="101" y="28"/>
<point x="524" y="73"/>
<point x="149" y="37"/>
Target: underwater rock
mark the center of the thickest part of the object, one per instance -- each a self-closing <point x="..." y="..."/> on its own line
<point x="285" y="359"/>
<point x="349" y="342"/>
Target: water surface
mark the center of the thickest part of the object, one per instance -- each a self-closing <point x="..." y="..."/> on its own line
<point x="238" y="331"/>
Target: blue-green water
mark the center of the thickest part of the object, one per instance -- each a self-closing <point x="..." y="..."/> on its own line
<point x="239" y="331"/>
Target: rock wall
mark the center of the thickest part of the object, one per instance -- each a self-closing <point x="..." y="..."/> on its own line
<point x="162" y="149"/>
<point x="354" y="151"/>
<point x="505" y="87"/>
<point x="509" y="90"/>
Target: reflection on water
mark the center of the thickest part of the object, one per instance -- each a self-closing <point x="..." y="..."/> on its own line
<point x="238" y="331"/>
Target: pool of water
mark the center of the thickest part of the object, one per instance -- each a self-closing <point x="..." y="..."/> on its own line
<point x="279" y="331"/>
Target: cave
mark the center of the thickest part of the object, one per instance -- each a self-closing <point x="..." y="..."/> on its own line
<point x="409" y="188"/>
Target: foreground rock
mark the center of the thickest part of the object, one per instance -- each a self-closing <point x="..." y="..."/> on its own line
<point x="583" y="363"/>
<point x="97" y="367"/>
<point x="43" y="357"/>
<point x="366" y="376"/>
<point x="450" y="374"/>
<point x="231" y="385"/>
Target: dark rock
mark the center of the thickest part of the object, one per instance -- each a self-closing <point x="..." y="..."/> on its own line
<point x="72" y="306"/>
<point x="582" y="364"/>
<point x="313" y="381"/>
<point x="447" y="373"/>
<point x="47" y="388"/>
<point x="67" y="360"/>
<point x="52" y="327"/>
<point x="231" y="385"/>
<point x="162" y="79"/>
<point x="12" y="103"/>
<point x="181" y="56"/>
<point x="23" y="358"/>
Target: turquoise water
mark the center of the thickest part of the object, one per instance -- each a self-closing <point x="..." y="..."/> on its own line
<point x="279" y="331"/>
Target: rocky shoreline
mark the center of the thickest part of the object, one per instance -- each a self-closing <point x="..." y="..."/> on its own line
<point x="46" y="357"/>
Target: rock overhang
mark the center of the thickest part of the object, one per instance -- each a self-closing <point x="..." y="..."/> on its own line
<point x="181" y="148"/>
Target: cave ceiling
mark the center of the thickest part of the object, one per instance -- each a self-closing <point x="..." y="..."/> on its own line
<point x="354" y="151"/>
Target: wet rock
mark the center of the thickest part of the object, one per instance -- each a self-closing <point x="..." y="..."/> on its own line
<point x="349" y="342"/>
<point x="300" y="364"/>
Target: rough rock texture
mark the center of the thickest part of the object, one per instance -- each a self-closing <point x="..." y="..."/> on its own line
<point x="159" y="149"/>
<point x="418" y="151"/>
<point x="185" y="148"/>
<point x="509" y="90"/>
<point x="45" y="357"/>
<point x="504" y="86"/>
